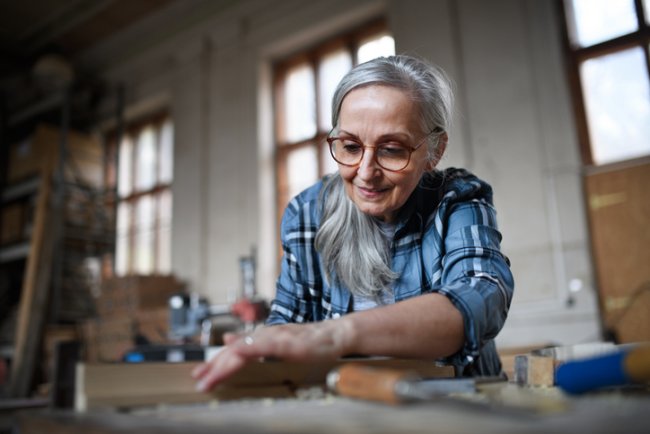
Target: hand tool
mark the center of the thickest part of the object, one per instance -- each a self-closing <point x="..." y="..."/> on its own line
<point x="492" y="394"/>
<point x="619" y="368"/>
<point x="394" y="386"/>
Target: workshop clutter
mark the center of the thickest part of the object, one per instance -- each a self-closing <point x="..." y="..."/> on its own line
<point x="13" y="226"/>
<point x="124" y="296"/>
<point x="39" y="153"/>
<point x="131" y="310"/>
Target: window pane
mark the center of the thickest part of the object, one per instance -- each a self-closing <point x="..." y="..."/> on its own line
<point x="617" y="100"/>
<point x="122" y="241"/>
<point x="144" y="231"/>
<point x="646" y="8"/>
<point x="125" y="169"/>
<point x="300" y="120"/>
<point x="302" y="167"/>
<point x="599" y="20"/>
<point x="330" y="71"/>
<point x="382" y="45"/>
<point x="329" y="165"/>
<point x="166" y="153"/>
<point x="146" y="155"/>
<point x="110" y="166"/>
<point x="164" y="257"/>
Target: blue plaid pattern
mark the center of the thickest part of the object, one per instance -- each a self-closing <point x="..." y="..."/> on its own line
<point x="446" y="241"/>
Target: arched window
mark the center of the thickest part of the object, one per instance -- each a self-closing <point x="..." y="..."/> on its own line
<point x="304" y="86"/>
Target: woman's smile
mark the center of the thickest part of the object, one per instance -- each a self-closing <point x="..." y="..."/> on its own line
<point x="372" y="192"/>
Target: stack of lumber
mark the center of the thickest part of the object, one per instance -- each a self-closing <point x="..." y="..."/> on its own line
<point x="130" y="308"/>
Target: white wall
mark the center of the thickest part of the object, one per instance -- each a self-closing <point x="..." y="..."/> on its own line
<point x="514" y="128"/>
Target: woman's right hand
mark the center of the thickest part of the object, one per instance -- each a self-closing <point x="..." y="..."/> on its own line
<point x="325" y="340"/>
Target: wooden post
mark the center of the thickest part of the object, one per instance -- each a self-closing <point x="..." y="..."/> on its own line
<point x="34" y="295"/>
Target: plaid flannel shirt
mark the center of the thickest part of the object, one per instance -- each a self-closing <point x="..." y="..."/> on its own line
<point x="446" y="241"/>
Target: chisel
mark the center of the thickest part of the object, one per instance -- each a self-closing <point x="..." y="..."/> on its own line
<point x="396" y="386"/>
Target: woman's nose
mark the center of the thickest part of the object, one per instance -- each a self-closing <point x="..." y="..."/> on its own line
<point x="368" y="167"/>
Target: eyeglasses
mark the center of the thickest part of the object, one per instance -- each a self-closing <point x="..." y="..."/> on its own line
<point x="390" y="156"/>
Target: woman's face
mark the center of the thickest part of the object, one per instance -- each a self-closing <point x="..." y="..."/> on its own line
<point x="375" y="115"/>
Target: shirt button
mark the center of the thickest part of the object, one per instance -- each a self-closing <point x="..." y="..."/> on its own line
<point x="336" y="315"/>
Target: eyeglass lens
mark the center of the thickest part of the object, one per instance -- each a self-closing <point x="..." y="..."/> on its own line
<point x="391" y="157"/>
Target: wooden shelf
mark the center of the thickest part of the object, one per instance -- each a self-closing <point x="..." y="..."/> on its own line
<point x="21" y="189"/>
<point x="6" y="351"/>
<point x="14" y="252"/>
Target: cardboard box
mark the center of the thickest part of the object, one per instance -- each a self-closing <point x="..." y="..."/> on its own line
<point x="123" y="296"/>
<point x="108" y="339"/>
<point x="39" y="153"/>
<point x="13" y="223"/>
<point x="52" y="336"/>
<point x="129" y="307"/>
<point x="153" y="325"/>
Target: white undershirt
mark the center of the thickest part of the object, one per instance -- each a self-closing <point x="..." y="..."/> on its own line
<point x="360" y="302"/>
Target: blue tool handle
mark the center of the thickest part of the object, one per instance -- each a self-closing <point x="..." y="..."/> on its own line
<point x="589" y="374"/>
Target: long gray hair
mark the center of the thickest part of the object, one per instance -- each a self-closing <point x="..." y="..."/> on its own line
<point x="354" y="251"/>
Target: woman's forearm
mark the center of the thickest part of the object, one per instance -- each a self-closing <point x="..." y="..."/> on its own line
<point x="428" y="326"/>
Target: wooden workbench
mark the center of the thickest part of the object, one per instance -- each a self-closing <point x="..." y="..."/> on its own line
<point x="597" y="413"/>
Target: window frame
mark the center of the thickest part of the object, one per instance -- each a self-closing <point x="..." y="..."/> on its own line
<point x="576" y="55"/>
<point x="350" y="41"/>
<point x="133" y="129"/>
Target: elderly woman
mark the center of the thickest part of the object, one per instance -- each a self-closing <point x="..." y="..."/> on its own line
<point x="389" y="256"/>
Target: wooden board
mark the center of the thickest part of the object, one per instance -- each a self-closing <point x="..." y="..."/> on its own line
<point x="34" y="295"/>
<point x="598" y="414"/>
<point x="126" y="385"/>
<point x="619" y="218"/>
<point x="533" y="370"/>
<point x="507" y="356"/>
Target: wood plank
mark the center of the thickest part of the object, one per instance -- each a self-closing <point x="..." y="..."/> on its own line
<point x="507" y="356"/>
<point x="534" y="370"/>
<point x="600" y="413"/>
<point x="126" y="385"/>
<point x="619" y="224"/>
<point x="34" y="295"/>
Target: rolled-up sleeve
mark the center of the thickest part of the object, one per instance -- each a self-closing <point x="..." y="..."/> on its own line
<point x="476" y="276"/>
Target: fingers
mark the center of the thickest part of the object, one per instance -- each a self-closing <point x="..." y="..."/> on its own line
<point x="222" y="366"/>
<point x="229" y="337"/>
<point x="235" y="338"/>
<point x="287" y="342"/>
<point x="200" y="370"/>
<point x="305" y="342"/>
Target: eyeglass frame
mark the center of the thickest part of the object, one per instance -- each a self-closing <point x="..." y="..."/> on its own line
<point x="410" y="149"/>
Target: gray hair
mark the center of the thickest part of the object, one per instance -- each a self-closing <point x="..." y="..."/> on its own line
<point x="354" y="251"/>
<point x="427" y="85"/>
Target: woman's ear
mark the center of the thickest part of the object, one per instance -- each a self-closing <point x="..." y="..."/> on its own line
<point x="440" y="150"/>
